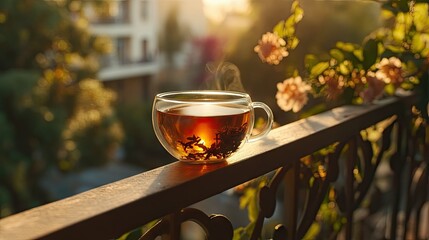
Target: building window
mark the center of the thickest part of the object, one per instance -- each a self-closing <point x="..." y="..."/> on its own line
<point x="119" y="56"/>
<point x="145" y="11"/>
<point x="145" y="51"/>
<point x="123" y="50"/>
<point x="107" y="12"/>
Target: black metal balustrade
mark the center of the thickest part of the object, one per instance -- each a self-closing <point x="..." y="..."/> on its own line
<point x="167" y="192"/>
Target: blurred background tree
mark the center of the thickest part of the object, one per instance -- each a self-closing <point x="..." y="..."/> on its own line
<point x="53" y="111"/>
<point x="172" y="38"/>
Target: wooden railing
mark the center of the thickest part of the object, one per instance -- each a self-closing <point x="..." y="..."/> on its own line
<point x="167" y="192"/>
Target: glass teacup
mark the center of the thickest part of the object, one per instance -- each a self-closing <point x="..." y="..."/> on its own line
<point x="202" y="127"/>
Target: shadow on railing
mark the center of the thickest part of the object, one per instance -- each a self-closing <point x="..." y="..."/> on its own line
<point x="167" y="192"/>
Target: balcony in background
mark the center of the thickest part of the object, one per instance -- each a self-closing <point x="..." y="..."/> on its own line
<point x="107" y="12"/>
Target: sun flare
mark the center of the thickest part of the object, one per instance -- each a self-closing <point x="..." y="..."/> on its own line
<point x="216" y="10"/>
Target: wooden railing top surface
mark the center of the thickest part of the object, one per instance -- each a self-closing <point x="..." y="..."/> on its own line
<point x="107" y="211"/>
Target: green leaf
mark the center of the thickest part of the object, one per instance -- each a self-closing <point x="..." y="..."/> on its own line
<point x="289" y="31"/>
<point x="311" y="181"/>
<point x="298" y="15"/>
<point x="344" y="70"/>
<point x="295" y="5"/>
<point x="279" y="28"/>
<point x="336" y="54"/>
<point x="425" y="52"/>
<point x="293" y="42"/>
<point x="313" y="231"/>
<point x="407" y="85"/>
<point x="414" y="80"/>
<point x="402" y="27"/>
<point x="244" y="233"/>
<point x="310" y="60"/>
<point x="287" y="28"/>
<point x="417" y="43"/>
<point x="421" y="18"/>
<point x="358" y="54"/>
<point x="370" y="53"/>
<point x="319" y="68"/>
<point x="253" y="208"/>
<point x="290" y="21"/>
<point x="297" y="11"/>
<point x="395" y="49"/>
<point x="399" y="32"/>
<point x="386" y="14"/>
<point x="133" y="235"/>
<point x="238" y="233"/>
<point x="420" y="43"/>
<point x="381" y="49"/>
<point x="390" y="89"/>
<point x="295" y="73"/>
<point x="247" y="197"/>
<point x="348" y="47"/>
<point x="250" y="200"/>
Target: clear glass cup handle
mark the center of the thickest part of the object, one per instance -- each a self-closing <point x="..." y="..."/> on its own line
<point x="268" y="124"/>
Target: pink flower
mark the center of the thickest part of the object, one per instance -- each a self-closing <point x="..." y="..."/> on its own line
<point x="374" y="90"/>
<point x="271" y="48"/>
<point x="390" y="70"/>
<point x="357" y="79"/>
<point x="292" y="94"/>
<point x="333" y="84"/>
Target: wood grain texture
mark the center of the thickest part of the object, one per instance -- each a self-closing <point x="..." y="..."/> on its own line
<point x="108" y="211"/>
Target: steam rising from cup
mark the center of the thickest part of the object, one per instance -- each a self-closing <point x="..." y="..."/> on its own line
<point x="224" y="76"/>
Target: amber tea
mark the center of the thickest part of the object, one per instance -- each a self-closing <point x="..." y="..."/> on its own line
<point x="204" y="132"/>
<point x="206" y="126"/>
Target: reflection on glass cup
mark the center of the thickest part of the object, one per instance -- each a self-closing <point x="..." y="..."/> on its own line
<point x="206" y="126"/>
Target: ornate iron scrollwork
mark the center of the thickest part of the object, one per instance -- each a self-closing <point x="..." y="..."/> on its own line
<point x="215" y="226"/>
<point x="267" y="204"/>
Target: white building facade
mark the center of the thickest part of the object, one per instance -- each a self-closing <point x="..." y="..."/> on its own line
<point x="132" y="26"/>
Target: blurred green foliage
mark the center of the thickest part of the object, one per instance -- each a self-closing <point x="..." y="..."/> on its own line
<point x="53" y="112"/>
<point x="140" y="145"/>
